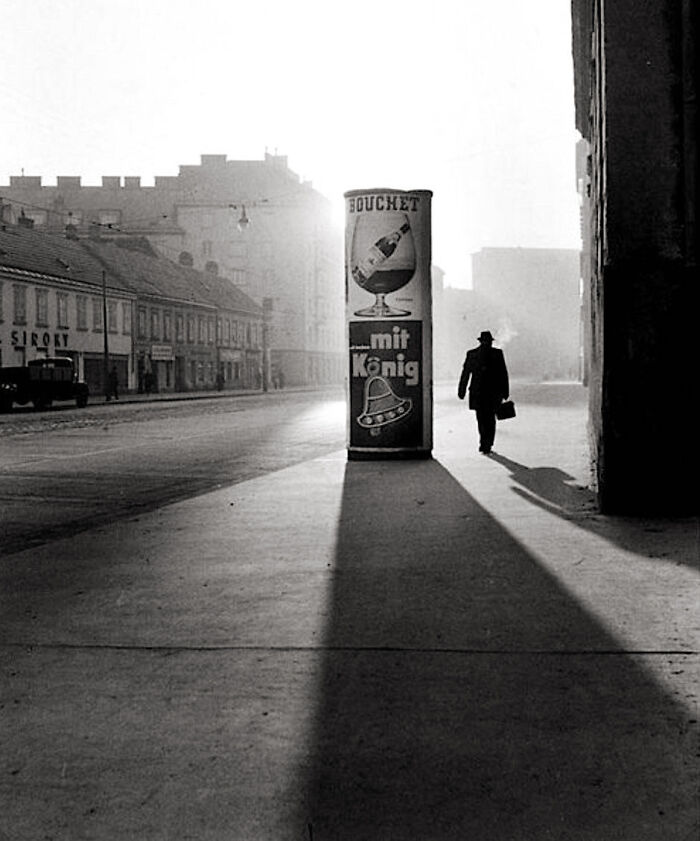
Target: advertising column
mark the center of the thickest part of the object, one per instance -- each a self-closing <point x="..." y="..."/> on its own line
<point x="389" y="327"/>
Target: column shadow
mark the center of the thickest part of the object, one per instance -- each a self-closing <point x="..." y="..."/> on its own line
<point x="465" y="695"/>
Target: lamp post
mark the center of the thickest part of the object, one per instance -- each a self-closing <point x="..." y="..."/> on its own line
<point x="105" y="372"/>
<point x="267" y="318"/>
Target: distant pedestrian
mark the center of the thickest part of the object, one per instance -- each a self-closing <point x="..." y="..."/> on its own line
<point x="486" y="375"/>
<point x="113" y="383"/>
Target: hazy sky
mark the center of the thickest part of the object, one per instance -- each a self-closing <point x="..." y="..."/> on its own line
<point x="472" y="99"/>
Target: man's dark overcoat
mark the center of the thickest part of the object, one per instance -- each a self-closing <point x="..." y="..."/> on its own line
<point x="485" y="373"/>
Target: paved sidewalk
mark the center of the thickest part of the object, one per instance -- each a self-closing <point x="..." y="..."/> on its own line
<point x="460" y="649"/>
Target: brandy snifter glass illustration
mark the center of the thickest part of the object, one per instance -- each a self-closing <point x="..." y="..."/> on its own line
<point x="382" y="259"/>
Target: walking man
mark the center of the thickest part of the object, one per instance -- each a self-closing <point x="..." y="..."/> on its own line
<point x="486" y="375"/>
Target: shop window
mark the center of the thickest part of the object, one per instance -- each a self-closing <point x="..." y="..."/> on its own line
<point x="42" y="307"/>
<point x="62" y="309"/>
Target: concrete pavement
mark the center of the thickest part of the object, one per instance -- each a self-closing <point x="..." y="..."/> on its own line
<point x="454" y="649"/>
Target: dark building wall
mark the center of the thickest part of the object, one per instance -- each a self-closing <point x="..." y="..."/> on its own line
<point x="635" y="95"/>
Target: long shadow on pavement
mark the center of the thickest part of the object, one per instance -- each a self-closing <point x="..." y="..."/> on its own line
<point x="550" y="489"/>
<point x="465" y="695"/>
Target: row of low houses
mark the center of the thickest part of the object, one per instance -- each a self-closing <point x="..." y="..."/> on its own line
<point x="255" y="222"/>
<point x="169" y="327"/>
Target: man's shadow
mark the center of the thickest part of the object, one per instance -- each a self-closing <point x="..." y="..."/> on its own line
<point x="555" y="491"/>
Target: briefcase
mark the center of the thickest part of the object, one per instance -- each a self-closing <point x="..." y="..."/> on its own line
<point x="505" y="410"/>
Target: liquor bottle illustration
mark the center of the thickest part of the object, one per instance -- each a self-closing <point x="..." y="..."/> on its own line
<point x="382" y="264"/>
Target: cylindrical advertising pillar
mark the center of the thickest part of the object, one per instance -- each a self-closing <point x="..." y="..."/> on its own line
<point x="389" y="323"/>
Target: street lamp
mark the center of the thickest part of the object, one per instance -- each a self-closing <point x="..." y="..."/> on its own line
<point x="267" y="318"/>
<point x="105" y="372"/>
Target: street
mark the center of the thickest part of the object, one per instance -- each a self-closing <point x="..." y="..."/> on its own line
<point x="258" y="640"/>
<point x="68" y="469"/>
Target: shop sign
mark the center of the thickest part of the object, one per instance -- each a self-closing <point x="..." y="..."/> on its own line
<point x="162" y="353"/>
<point x="41" y="339"/>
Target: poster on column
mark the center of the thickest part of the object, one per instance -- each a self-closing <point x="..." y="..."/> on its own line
<point x="388" y="316"/>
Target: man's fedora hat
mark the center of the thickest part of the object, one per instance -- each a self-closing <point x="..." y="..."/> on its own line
<point x="485" y="336"/>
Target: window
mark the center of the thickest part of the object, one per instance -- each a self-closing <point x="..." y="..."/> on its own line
<point x="20" y="301"/>
<point x="210" y="330"/>
<point x="97" y="321"/>
<point x="39" y="217"/>
<point x="42" y="307"/>
<point x="167" y="326"/>
<point x="228" y="333"/>
<point x="62" y="309"/>
<point x="109" y="218"/>
<point x="73" y="217"/>
<point x="142" y="322"/>
<point x="190" y="329"/>
<point x="81" y="312"/>
<point x="206" y="248"/>
<point x="219" y="330"/>
<point x="112" y="316"/>
<point x="201" y="326"/>
<point x="126" y="318"/>
<point x="1" y="302"/>
<point x="155" y="324"/>
<point x="180" y="327"/>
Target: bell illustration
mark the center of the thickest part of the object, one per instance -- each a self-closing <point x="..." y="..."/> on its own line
<point x="382" y="406"/>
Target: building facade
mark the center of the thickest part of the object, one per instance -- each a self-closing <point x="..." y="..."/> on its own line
<point x="53" y="301"/>
<point x="636" y="75"/>
<point x="253" y="221"/>
<point x="169" y="327"/>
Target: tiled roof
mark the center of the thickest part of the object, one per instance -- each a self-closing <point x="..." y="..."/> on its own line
<point x="130" y="265"/>
<point x="46" y="254"/>
<point x="147" y="273"/>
